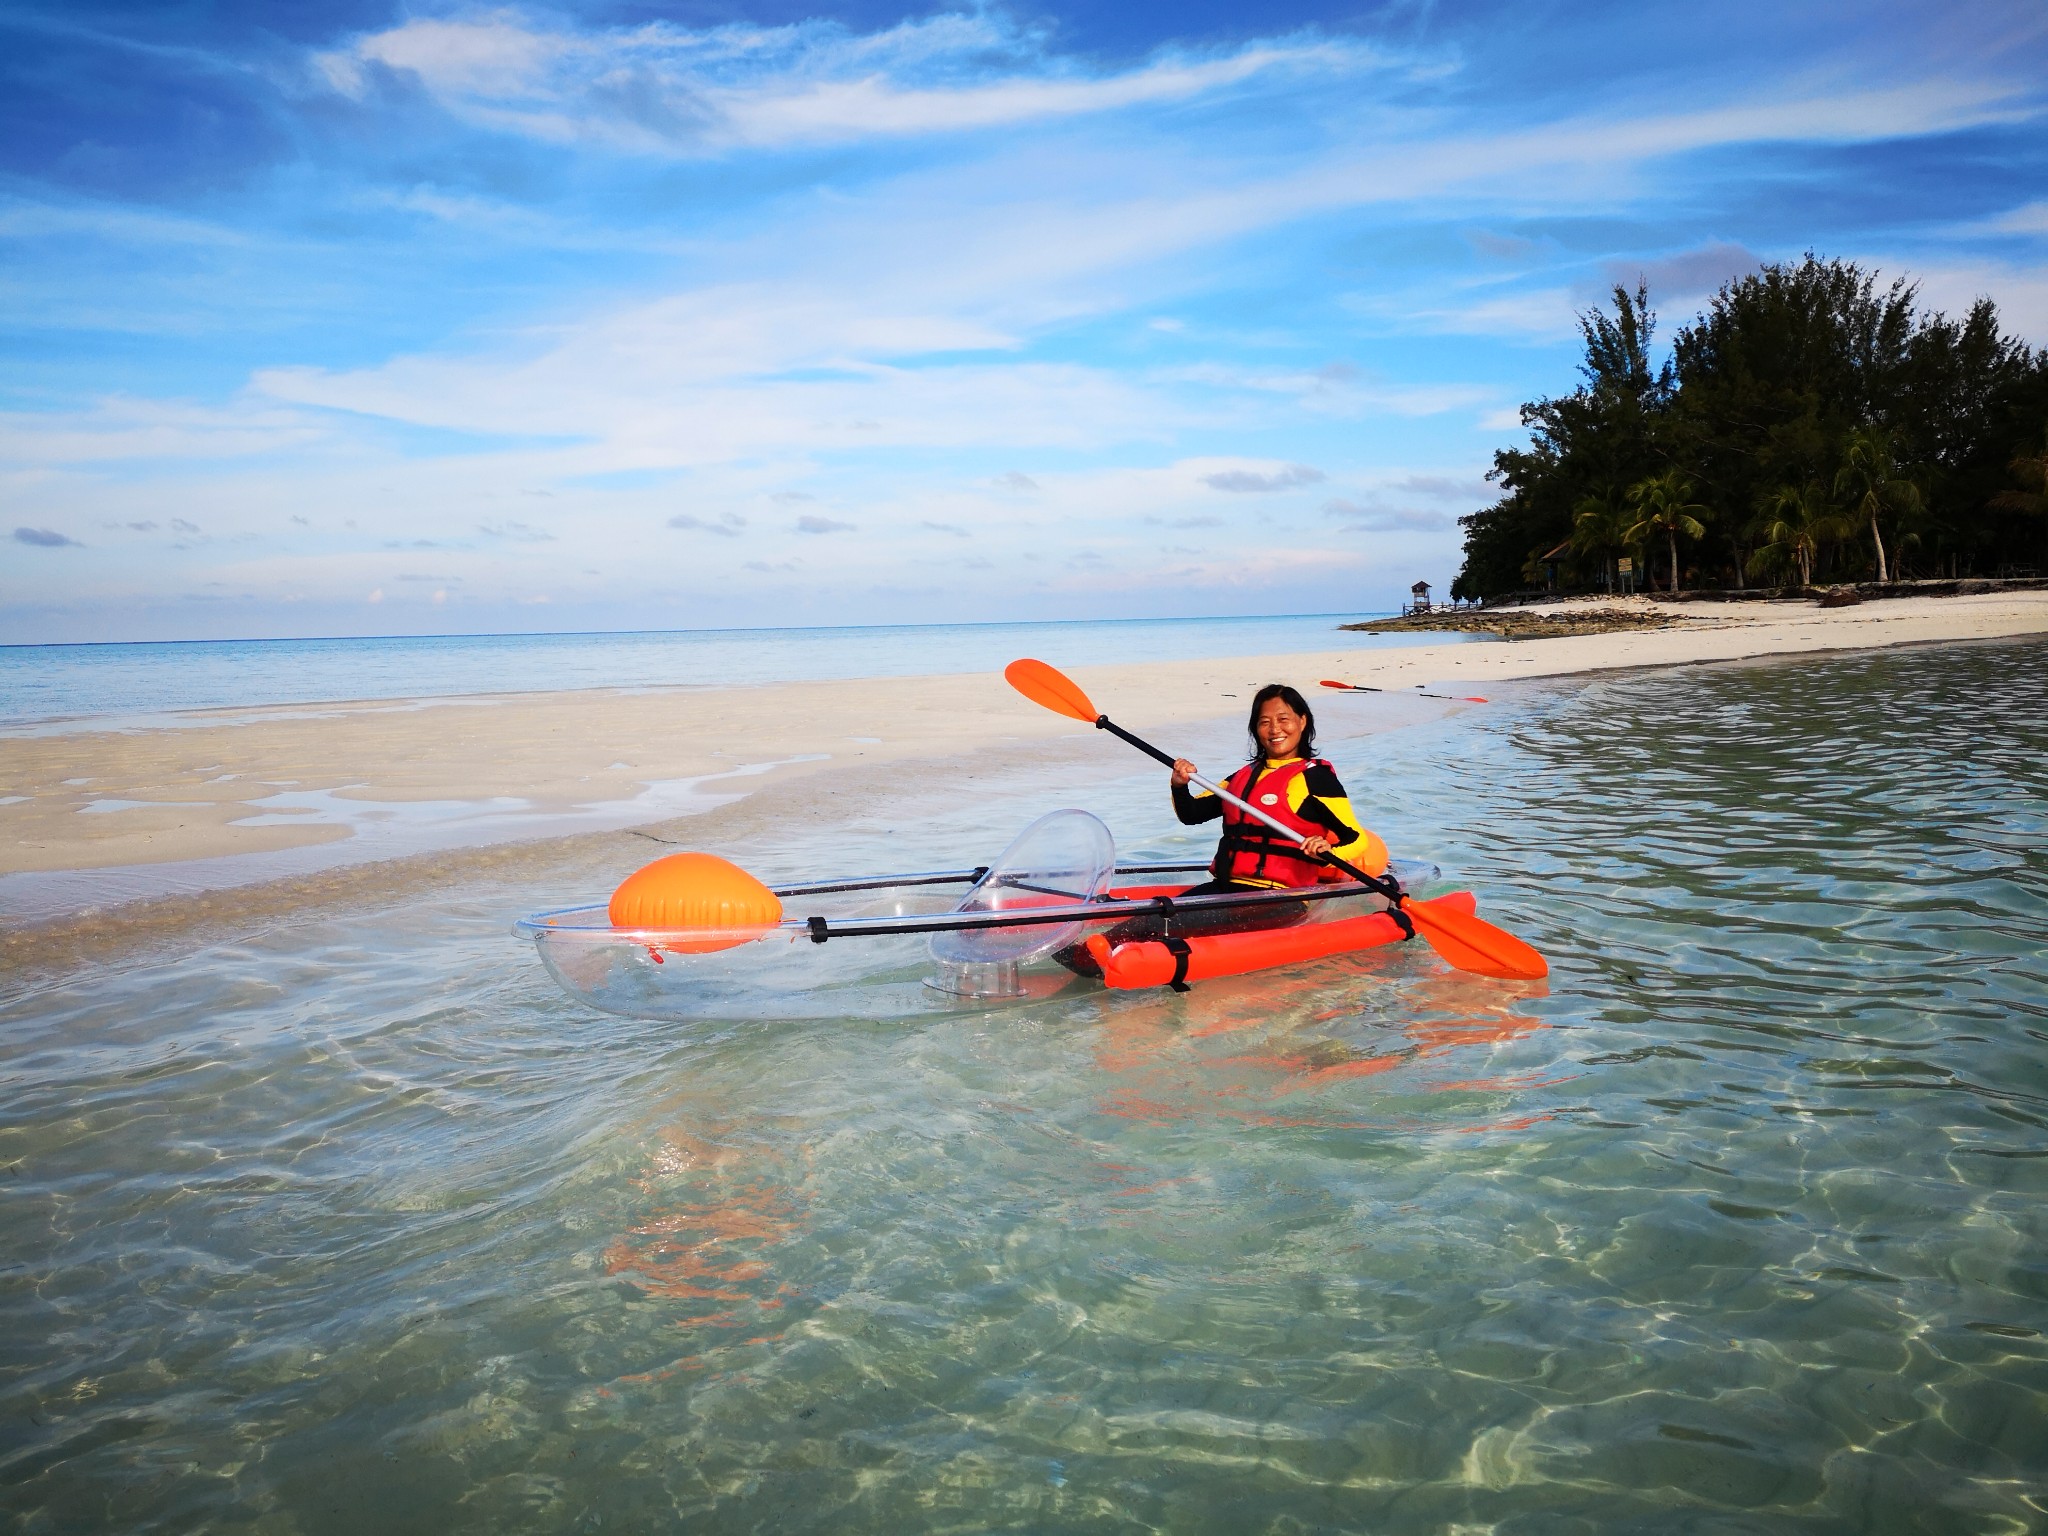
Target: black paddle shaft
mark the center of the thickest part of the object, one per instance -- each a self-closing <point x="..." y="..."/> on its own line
<point x="1388" y="888"/>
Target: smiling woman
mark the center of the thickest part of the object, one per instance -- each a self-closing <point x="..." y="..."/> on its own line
<point x="1163" y="314"/>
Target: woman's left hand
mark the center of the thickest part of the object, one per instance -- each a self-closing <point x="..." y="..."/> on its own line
<point x="1315" y="847"/>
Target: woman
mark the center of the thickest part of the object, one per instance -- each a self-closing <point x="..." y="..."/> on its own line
<point x="1286" y="780"/>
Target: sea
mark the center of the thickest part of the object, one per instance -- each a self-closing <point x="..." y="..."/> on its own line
<point x="148" y="683"/>
<point x="350" y="1220"/>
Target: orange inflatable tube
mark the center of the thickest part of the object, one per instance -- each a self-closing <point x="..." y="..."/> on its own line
<point x="1149" y="963"/>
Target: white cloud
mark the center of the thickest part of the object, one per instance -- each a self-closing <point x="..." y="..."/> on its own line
<point x="666" y="88"/>
<point x="727" y="526"/>
<point x="2021" y="292"/>
<point x="1335" y="389"/>
<point x="873" y="336"/>
<point x="120" y="427"/>
<point x="1410" y="503"/>
<point x="1541" y="315"/>
<point x="515" y="531"/>
<point x="1682" y="275"/>
<point x="1283" y="478"/>
<point x="2029" y="219"/>
<point x="1359" y="519"/>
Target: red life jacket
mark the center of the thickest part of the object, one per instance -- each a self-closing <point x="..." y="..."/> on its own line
<point x="1253" y="851"/>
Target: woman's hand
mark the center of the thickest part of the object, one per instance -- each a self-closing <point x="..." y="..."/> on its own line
<point x="1183" y="770"/>
<point x="1315" y="847"/>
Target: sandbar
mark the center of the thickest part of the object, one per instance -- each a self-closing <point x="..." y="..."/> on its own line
<point x="225" y="783"/>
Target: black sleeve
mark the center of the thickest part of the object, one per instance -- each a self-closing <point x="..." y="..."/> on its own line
<point x="1321" y="782"/>
<point x="1194" y="809"/>
<point x="1321" y="779"/>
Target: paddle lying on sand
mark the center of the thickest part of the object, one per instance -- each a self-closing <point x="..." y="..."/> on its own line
<point x="1468" y="943"/>
<point x="1456" y="698"/>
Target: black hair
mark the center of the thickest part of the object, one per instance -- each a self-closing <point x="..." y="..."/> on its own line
<point x="1293" y="701"/>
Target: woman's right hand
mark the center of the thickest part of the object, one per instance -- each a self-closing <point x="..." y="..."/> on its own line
<point x="1183" y="770"/>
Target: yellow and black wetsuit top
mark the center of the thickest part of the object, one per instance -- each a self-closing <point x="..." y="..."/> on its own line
<point x="1315" y="799"/>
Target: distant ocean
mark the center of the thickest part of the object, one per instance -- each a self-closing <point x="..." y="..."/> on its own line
<point x="42" y="683"/>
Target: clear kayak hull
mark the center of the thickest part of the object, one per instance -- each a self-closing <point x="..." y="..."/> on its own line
<point x="863" y="948"/>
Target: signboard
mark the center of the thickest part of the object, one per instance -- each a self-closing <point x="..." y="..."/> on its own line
<point x="1625" y="565"/>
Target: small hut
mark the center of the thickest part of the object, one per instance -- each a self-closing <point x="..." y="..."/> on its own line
<point x="1419" y="597"/>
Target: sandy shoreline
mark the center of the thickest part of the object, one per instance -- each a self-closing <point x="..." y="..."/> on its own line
<point x="226" y="785"/>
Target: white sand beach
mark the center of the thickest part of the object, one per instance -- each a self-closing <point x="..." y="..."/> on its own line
<point x="237" y="782"/>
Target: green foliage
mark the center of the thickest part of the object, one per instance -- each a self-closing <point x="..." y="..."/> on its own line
<point x="1794" y="521"/>
<point x="1871" y="478"/>
<point x="1797" y="377"/>
<point x="1663" y="503"/>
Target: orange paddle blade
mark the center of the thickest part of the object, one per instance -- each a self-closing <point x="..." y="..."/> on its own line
<point x="1473" y="944"/>
<point x="1051" y="687"/>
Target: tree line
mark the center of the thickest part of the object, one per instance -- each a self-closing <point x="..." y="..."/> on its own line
<point x="1808" y="427"/>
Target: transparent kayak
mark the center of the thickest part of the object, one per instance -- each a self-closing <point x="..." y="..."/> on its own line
<point x="893" y="946"/>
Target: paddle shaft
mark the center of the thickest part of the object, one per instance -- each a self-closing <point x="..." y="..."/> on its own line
<point x="1385" y="887"/>
<point x="1455" y="698"/>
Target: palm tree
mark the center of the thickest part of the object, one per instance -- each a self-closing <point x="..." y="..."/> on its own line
<point x="2031" y="470"/>
<point x="1794" y="521"/>
<point x="1663" y="504"/>
<point x="1871" y="477"/>
<point x="1597" y="523"/>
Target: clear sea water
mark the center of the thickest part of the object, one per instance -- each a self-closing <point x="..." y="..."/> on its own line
<point x="54" y="682"/>
<point x="352" y="1222"/>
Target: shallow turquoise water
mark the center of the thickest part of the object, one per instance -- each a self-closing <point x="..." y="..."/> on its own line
<point x="1735" y="1226"/>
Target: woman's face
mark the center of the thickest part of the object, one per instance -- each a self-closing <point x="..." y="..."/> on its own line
<point x="1278" y="728"/>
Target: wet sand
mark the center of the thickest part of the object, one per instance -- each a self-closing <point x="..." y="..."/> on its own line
<point x="224" y="785"/>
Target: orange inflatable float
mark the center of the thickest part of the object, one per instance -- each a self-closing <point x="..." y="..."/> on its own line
<point x="1155" y="963"/>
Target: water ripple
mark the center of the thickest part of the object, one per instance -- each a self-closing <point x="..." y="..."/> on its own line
<point x="1736" y="1224"/>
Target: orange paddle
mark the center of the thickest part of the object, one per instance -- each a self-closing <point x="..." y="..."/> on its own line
<point x="1468" y="943"/>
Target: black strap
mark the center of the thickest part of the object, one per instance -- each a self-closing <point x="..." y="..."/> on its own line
<point x="818" y="933"/>
<point x="1247" y="836"/>
<point x="1175" y="945"/>
<point x="1178" y="948"/>
<point x="1259" y="834"/>
<point x="1401" y="920"/>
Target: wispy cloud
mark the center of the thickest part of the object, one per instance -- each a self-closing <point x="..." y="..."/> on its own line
<point x="1216" y="286"/>
<point x="44" y="538"/>
<point x="1285" y="478"/>
<point x="2029" y="219"/>
<point x="666" y="88"/>
<point x="727" y="525"/>
<point x="122" y="428"/>
<point x="1416" y="503"/>
<point x="1683" y="274"/>
<point x="1362" y="519"/>
<point x="515" y="531"/>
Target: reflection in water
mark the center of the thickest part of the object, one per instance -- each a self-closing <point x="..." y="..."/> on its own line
<point x="1154" y="1050"/>
<point x="1740" y="1225"/>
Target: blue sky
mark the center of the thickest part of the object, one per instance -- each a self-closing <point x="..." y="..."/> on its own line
<point x="356" y="318"/>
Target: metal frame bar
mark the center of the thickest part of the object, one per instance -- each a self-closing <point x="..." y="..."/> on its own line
<point x="1106" y="911"/>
